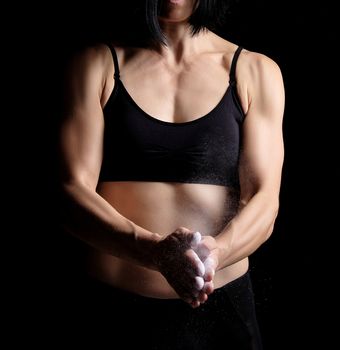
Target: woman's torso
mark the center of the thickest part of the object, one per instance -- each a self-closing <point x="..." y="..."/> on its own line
<point x="179" y="95"/>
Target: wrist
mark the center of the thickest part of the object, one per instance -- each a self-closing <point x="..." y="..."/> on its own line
<point x="153" y="252"/>
<point x="145" y="246"/>
<point x="223" y="246"/>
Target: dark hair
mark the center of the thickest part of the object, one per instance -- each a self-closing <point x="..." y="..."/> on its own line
<point x="209" y="14"/>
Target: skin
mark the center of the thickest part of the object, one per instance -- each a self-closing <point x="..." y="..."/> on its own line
<point x="142" y="234"/>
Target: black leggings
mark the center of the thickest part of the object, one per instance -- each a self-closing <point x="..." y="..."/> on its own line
<point x="226" y="321"/>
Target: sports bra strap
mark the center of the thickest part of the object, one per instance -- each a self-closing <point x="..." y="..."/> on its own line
<point x="232" y="75"/>
<point x="115" y="61"/>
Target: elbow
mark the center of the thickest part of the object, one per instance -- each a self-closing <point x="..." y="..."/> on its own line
<point x="71" y="186"/>
<point x="76" y="194"/>
<point x="68" y="185"/>
<point x="274" y="204"/>
<point x="68" y="203"/>
<point x="273" y="210"/>
<point x="67" y="193"/>
<point x="269" y="232"/>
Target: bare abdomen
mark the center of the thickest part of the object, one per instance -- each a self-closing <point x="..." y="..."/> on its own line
<point x="162" y="208"/>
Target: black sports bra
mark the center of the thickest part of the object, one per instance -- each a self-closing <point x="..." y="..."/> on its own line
<point x="139" y="147"/>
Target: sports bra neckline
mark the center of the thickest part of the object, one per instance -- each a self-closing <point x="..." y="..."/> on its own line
<point x="164" y="122"/>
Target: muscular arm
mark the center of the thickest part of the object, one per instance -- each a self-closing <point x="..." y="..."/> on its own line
<point x="260" y="163"/>
<point x="85" y="213"/>
<point x="89" y="216"/>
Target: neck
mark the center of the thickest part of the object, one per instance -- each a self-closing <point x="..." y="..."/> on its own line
<point x="180" y="42"/>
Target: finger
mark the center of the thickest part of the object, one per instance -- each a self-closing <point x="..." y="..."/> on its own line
<point x="208" y="288"/>
<point x="210" y="265"/>
<point x="196" y="263"/>
<point x="196" y="239"/>
<point x="205" y="247"/>
<point x="192" y="286"/>
<point x="202" y="297"/>
<point x="199" y="283"/>
<point x="195" y="304"/>
<point x="188" y="287"/>
<point x="202" y="250"/>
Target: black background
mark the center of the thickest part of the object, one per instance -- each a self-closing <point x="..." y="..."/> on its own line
<point x="292" y="281"/>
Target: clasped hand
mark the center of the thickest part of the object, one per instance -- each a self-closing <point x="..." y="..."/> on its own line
<point x="188" y="261"/>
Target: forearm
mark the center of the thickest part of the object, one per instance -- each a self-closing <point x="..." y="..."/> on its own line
<point x="88" y="216"/>
<point x="251" y="227"/>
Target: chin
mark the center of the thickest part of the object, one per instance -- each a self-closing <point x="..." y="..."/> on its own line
<point x="177" y="10"/>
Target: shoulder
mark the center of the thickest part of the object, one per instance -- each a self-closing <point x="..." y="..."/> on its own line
<point x="257" y="69"/>
<point x="252" y="64"/>
<point x="259" y="78"/>
<point x="95" y="59"/>
<point x="96" y="54"/>
<point x="90" y="69"/>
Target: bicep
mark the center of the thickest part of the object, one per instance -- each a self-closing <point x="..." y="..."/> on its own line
<point x="81" y="133"/>
<point x="81" y="147"/>
<point x="262" y="145"/>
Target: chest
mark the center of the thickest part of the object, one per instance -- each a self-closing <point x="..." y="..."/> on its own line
<point x="203" y="150"/>
<point x="176" y="95"/>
